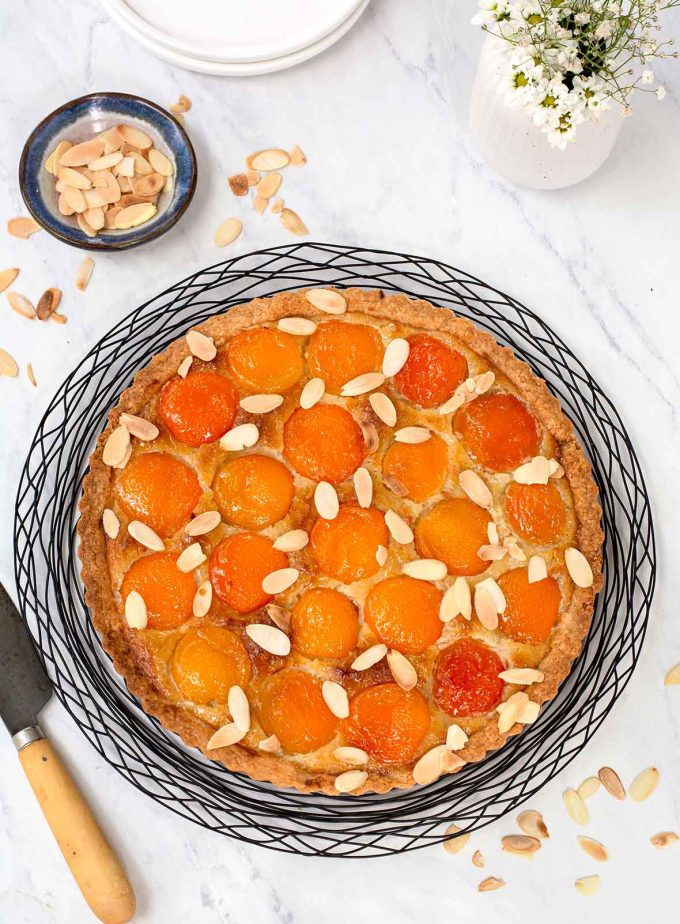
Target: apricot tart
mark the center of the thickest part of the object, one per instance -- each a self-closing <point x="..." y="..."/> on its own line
<point x="340" y="540"/>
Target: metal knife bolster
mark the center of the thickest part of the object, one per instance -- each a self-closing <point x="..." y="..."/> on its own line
<point x="27" y="736"/>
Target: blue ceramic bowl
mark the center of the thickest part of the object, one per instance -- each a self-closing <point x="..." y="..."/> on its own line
<point x="80" y="120"/>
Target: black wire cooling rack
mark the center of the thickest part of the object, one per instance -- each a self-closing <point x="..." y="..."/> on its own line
<point x="157" y="763"/>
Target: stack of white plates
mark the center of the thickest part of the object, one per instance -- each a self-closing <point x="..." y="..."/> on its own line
<point x="235" y="37"/>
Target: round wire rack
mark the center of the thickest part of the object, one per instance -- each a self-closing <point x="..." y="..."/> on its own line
<point x="181" y="779"/>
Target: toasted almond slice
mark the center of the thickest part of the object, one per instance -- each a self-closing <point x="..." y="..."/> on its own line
<point x="536" y="471"/>
<point x="191" y="558"/>
<point x="529" y="713"/>
<point x="135" y="137"/>
<point x="227" y="232"/>
<point x="589" y="787"/>
<point x="371" y="439"/>
<point x="75" y="199"/>
<point x="515" y="552"/>
<point x="202" y="600"/>
<point x="492" y="533"/>
<point x="134" y="215"/>
<point x="261" y="404"/>
<point x="587" y="885"/>
<point x="300" y="327"/>
<point x="664" y="839"/>
<point x="58" y="318"/>
<point x="238" y="183"/>
<point x="579" y="570"/>
<point x="399" y="529"/>
<point x="384" y="408"/>
<point x="457" y="601"/>
<point x="478" y="859"/>
<point x="94" y="199"/>
<point x="116" y="446"/>
<point x="485" y="607"/>
<point x="531" y="822"/>
<point x="270" y="744"/>
<point x="278" y="616"/>
<point x="292" y="541"/>
<point x="491" y="552"/>
<point x="140" y="427"/>
<point x="356" y="757"/>
<point x="225" y="736"/>
<point x="363" y="487"/>
<point x="644" y="784"/>
<point x="72" y="177"/>
<point x="312" y="392"/>
<point x="239" y="708"/>
<point x="126" y="167"/>
<point x="350" y="780"/>
<point x="242" y="437"/>
<point x="426" y="569"/>
<point x="182" y="105"/>
<point x="111" y="523"/>
<point x="297" y="157"/>
<point x="429" y="767"/>
<point x="496" y="593"/>
<point x="105" y="162"/>
<point x="326" y="500"/>
<point x="184" y="366"/>
<point x="81" y="154"/>
<point x="135" y="610"/>
<point x="143" y="534"/>
<point x="277" y="206"/>
<point x="396" y="354"/>
<point x="21" y="305"/>
<point x="612" y="783"/>
<point x="148" y="186"/>
<point x="537" y="570"/>
<point x="260" y="204"/>
<point x="456" y="400"/>
<point x="84" y="226"/>
<point x="7" y="277"/>
<point x="268" y="186"/>
<point x="253" y="177"/>
<point x="269" y="159"/>
<point x="53" y="160"/>
<point x="672" y="678"/>
<point x="47" y="303"/>
<point x="520" y="844"/>
<point x="369" y="657"/>
<point x="362" y="384"/>
<point x="576" y="807"/>
<point x="327" y="300"/>
<point x="522" y="676"/>
<point x="269" y="638"/>
<point x="201" y="346"/>
<point x="336" y="698"/>
<point x="292" y="222"/>
<point x="381" y="555"/>
<point x="455" y="844"/>
<point x="475" y="488"/>
<point x="490" y="884"/>
<point x="110" y="218"/>
<point x="456" y="738"/>
<point x="8" y="365"/>
<point x="22" y="227"/>
<point x="160" y="163"/>
<point x="413" y="435"/>
<point x="510" y="710"/>
<point x="593" y="848"/>
<point x="277" y="582"/>
<point x="402" y="670"/>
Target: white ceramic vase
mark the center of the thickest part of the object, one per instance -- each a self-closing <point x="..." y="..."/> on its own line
<point x="517" y="149"/>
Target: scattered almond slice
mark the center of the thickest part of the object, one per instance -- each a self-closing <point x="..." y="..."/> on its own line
<point x="191" y="558"/>
<point x="478" y="859"/>
<point x="490" y="884"/>
<point x="80" y="155"/>
<point x="268" y="186"/>
<point x="522" y="675"/>
<point x="54" y="158"/>
<point x="300" y="327"/>
<point x="456" y="738"/>
<point x="369" y="657"/>
<point x="277" y="582"/>
<point x="335" y="697"/>
<point x="644" y="784"/>
<point x="21" y="305"/>
<point x="512" y="545"/>
<point x="227" y="232"/>
<point x="612" y="783"/>
<point x="403" y="671"/>
<point x="492" y="533"/>
<point x="58" y="318"/>
<point x="278" y="616"/>
<point x="537" y="570"/>
<point x="140" y="427"/>
<point x="135" y="137"/>
<point x="398" y="528"/>
<point x="491" y="552"/>
<point x="253" y="177"/>
<point x="350" y="780"/>
<point x="239" y="708"/>
<point x="148" y="186"/>
<point x="664" y="839"/>
<point x="327" y="300"/>
<point x="371" y="439"/>
<point x="496" y="593"/>
<point x="510" y="711"/>
<point x="367" y="381"/>
<point x="111" y="523"/>
<point x="261" y="404"/>
<point x="270" y="745"/>
<point x="22" y="227"/>
<point x="381" y="555"/>
<point x="134" y="215"/>
<point x="413" y="435"/>
<point x="536" y="471"/>
<point x="135" y="610"/>
<point x="31" y="375"/>
<point x="182" y="105"/>
<point x="184" y="366"/>
<point x="587" y="885"/>
<point x="47" y="303"/>
<point x="429" y="767"/>
<point x="529" y="713"/>
<point x="161" y="164"/>
<point x="576" y="807"/>
<point x="579" y="570"/>
<point x="292" y="222"/>
<point x="297" y="157"/>
<point x="457" y="601"/>
<point x="201" y="346"/>
<point x="269" y="638"/>
<point x="475" y="488"/>
<point x="269" y="159"/>
<point x="277" y="206"/>
<point x="116" y="446"/>
<point x="69" y="176"/>
<point x="520" y="844"/>
<point x="531" y="823"/>
<point x="241" y="437"/>
<point x="485" y="607"/>
<point x="225" y="736"/>
<point x="455" y="844"/>
<point x="292" y="541"/>
<point x="260" y="204"/>
<point x="202" y="600"/>
<point x="8" y="365"/>
<point x="396" y="354"/>
<point x="593" y="848"/>
<point x="326" y="500"/>
<point x="425" y="569"/>
<point x="7" y="277"/>
<point x="356" y="757"/>
<point x="589" y="787"/>
<point x="105" y="162"/>
<point x="312" y="392"/>
<point x="363" y="487"/>
<point x="672" y="678"/>
<point x="238" y="183"/>
<point x="146" y="536"/>
<point x="384" y="408"/>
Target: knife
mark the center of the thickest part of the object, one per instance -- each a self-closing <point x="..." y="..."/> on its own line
<point x="24" y="690"/>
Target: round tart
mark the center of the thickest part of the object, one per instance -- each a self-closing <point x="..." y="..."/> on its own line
<point x="340" y="540"/>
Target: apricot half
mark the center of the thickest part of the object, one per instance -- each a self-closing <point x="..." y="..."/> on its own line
<point x="466" y="680"/>
<point x="253" y="491"/>
<point x="531" y="609"/>
<point x="206" y="662"/>
<point x="266" y="360"/>
<point x="167" y="591"/>
<point x="323" y="443"/>
<point x="198" y="409"/>
<point x="389" y="723"/>
<point x="143" y="493"/>
<point x="404" y="613"/>
<point x="292" y="707"/>
<point x="432" y="372"/>
<point x="239" y="564"/>
<point x="498" y="431"/>
<point x="324" y="624"/>
<point x="339" y="351"/>
<point x="345" y="548"/>
<point x="420" y="467"/>
<point x="453" y="531"/>
<point x="536" y="512"/>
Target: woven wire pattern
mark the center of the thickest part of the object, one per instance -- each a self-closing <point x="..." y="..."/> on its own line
<point x="154" y="760"/>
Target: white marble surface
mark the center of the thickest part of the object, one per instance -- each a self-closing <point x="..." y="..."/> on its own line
<point x="382" y="117"/>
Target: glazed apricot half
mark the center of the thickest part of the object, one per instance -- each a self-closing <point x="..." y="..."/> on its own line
<point x="198" y="409"/>
<point x="167" y="591"/>
<point x="432" y="372"/>
<point x="324" y="624"/>
<point x="206" y="662"/>
<point x="266" y="360"/>
<point x="292" y="707"/>
<point x="323" y="443"/>
<point x="238" y="565"/>
<point x="339" y="352"/>
<point x="404" y="613"/>
<point x="453" y="531"/>
<point x="536" y="512"/>
<point x="143" y="493"/>
<point x="253" y="491"/>
<point x="420" y="467"/>
<point x="466" y="681"/>
<point x="389" y="723"/>
<point x="345" y="548"/>
<point x="498" y="431"/>
<point x="531" y="609"/>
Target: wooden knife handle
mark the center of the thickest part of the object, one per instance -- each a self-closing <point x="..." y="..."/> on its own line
<point x="95" y="867"/>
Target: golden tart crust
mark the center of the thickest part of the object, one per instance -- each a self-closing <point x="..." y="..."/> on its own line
<point x="141" y="656"/>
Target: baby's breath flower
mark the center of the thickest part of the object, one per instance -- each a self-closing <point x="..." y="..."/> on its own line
<point x="660" y="92"/>
<point x="648" y="76"/>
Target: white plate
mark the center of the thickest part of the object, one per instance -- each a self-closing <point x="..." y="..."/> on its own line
<point x="233" y="31"/>
<point x="243" y="69"/>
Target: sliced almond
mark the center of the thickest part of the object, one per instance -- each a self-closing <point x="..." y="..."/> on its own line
<point x="520" y="844"/>
<point x="126" y="167"/>
<point x="111" y="523"/>
<point x="292" y="541"/>
<point x="589" y="787"/>
<point x="576" y="807"/>
<point x="522" y="676"/>
<point x="300" y="327"/>
<point x="492" y="533"/>
<point x="326" y="500"/>
<point x="556" y="470"/>
<point x="148" y="186"/>
<point x="672" y="677"/>
<point x="396" y="354"/>
<point x="277" y="582"/>
<point x="253" y="177"/>
<point x="143" y="534"/>
<point x="490" y="884"/>
<point x="227" y="232"/>
<point x="184" y="366"/>
<point x="485" y="607"/>
<point x="85" y="227"/>
<point x="496" y="593"/>
<point x="58" y="318"/>
<point x="312" y="392"/>
<point x="278" y="616"/>
<point x="134" y="136"/>
<point x="536" y="471"/>
<point x="47" y="303"/>
<point x="362" y="384"/>
<point x="399" y="529"/>
<point x="491" y="552"/>
<point x="21" y="305"/>
<point x="429" y="767"/>
<point x="277" y="206"/>
<point x="239" y="708"/>
<point x="160" y="163"/>
<point x="260" y="204"/>
<point x="7" y="277"/>
<point x="22" y="227"/>
<point x="292" y="222"/>
<point x="8" y="365"/>
<point x="381" y="555"/>
<point x="297" y="157"/>
<point x="270" y="744"/>
<point x="75" y="199"/>
<point x="587" y="885"/>
<point x="369" y="657"/>
<point x="81" y="154"/>
<point x="135" y="215"/>
<point x="413" y="435"/>
<point x="69" y="176"/>
<point x="191" y="558"/>
<point x="371" y="439"/>
<point x="269" y="185"/>
<point x="383" y="408"/>
<point x="594" y="849"/>
<point x="110" y="218"/>
<point x="356" y="757"/>
<point x="537" y="570"/>
<point x="116" y="446"/>
<point x="327" y="300"/>
<point x="478" y="859"/>
<point x="350" y="780"/>
<point x="456" y="738"/>
<point x="426" y="569"/>
<point x="510" y="710"/>
<point x="457" y="601"/>
<point x="242" y="437"/>
<point x="455" y="844"/>
<point x="53" y="160"/>
<point x="515" y="552"/>
<point x="202" y="600"/>
<point x="612" y="783"/>
<point x="201" y="345"/>
<point x="402" y="670"/>
<point x="261" y="404"/>
<point x="105" y="162"/>
<point x="182" y="105"/>
<point x="531" y="822"/>
<point x="529" y="713"/>
<point x="269" y="638"/>
<point x="644" y="784"/>
<point x="140" y="427"/>
<point x="363" y="487"/>
<point x="94" y="199"/>
<point x="664" y="839"/>
<point x="225" y="736"/>
<point x="135" y="610"/>
<point x="579" y="570"/>
<point x="475" y="488"/>
<point x="238" y="183"/>
<point x="336" y="698"/>
<point x="269" y="159"/>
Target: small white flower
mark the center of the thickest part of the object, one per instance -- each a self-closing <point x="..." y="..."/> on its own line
<point x="660" y="92"/>
<point x="604" y="30"/>
<point x="648" y="76"/>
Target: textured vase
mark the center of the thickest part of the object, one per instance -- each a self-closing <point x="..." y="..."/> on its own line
<point x="516" y="148"/>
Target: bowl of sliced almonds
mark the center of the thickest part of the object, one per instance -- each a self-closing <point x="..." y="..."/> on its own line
<point x="108" y="171"/>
